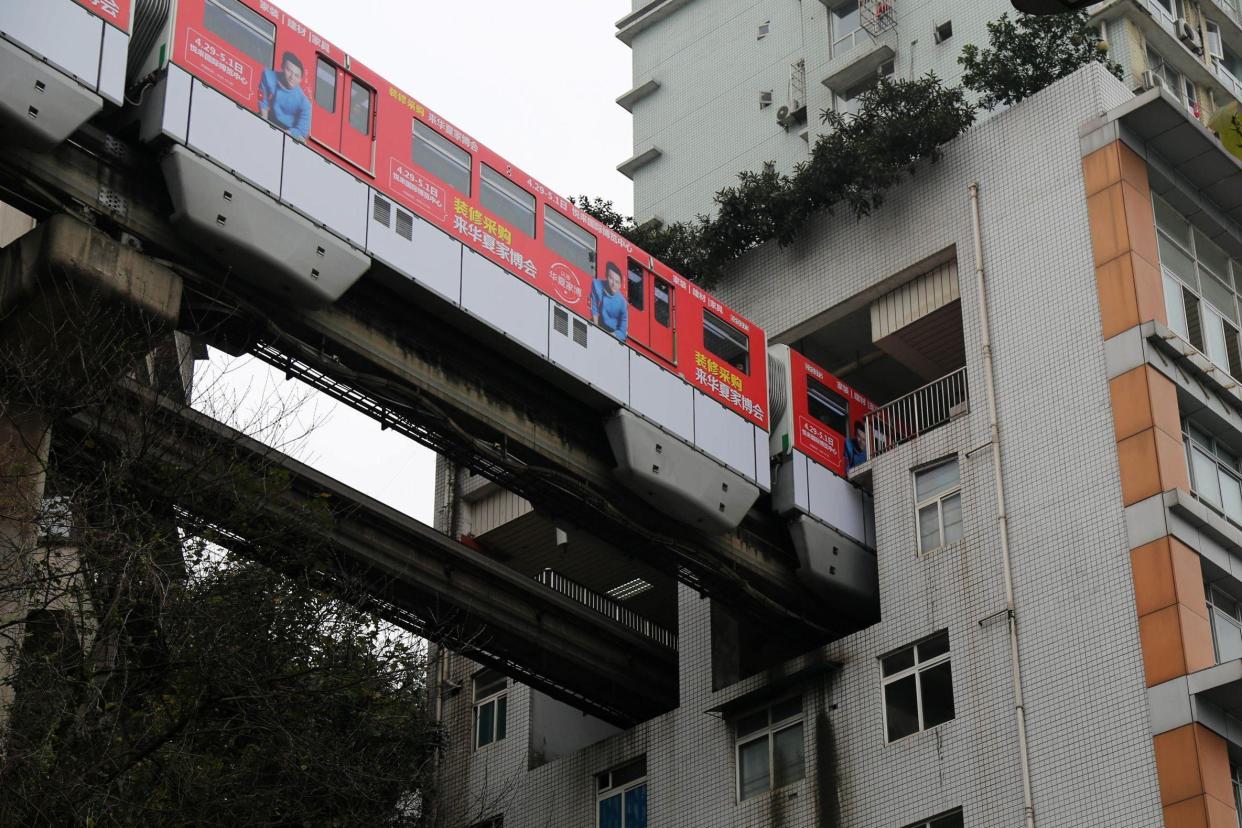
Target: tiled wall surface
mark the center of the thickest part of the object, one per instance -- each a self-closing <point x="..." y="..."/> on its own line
<point x="1092" y="754"/>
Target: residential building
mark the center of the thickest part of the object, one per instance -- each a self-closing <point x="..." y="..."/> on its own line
<point x="1097" y="340"/>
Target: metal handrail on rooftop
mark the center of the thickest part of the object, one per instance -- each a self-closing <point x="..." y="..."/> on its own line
<point x="607" y="607"/>
<point x="917" y="413"/>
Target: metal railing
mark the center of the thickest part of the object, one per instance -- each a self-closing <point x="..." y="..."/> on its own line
<point x="607" y="607"/>
<point x="917" y="413"/>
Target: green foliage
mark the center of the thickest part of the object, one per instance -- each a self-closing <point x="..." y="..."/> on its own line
<point x="899" y="124"/>
<point x="1029" y="53"/>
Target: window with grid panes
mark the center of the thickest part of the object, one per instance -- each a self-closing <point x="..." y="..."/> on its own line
<point x="1200" y="288"/>
<point x="770" y="748"/>
<point x="491" y="707"/>
<point x="1226" y="615"/>
<point x="918" y="687"/>
<point x="938" y="505"/>
<point x="621" y="796"/>
<point x="951" y="819"/>
<point x="1215" y="473"/>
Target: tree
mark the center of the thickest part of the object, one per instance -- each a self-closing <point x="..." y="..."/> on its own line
<point x="1027" y="54"/>
<point x="167" y="670"/>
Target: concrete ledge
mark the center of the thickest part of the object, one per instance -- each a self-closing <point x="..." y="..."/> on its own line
<point x="636" y="94"/>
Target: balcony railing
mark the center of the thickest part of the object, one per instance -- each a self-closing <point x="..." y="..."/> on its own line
<point x="607" y="607"/>
<point x="1226" y="77"/>
<point x="917" y="413"/>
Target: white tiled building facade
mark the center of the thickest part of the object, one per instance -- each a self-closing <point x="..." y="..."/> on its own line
<point x="1113" y="361"/>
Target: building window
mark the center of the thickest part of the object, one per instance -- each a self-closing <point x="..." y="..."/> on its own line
<point x="769" y="748"/>
<point x="1226" y="615"/>
<point x="1215" y="473"/>
<point x="827" y="406"/>
<point x="491" y="703"/>
<point x="621" y="796"/>
<point x="938" y="505"/>
<point x="507" y="200"/>
<point x="918" y="687"/>
<point x="850" y="101"/>
<point x="845" y="21"/>
<point x="951" y="819"/>
<point x="1235" y="774"/>
<point x="442" y="158"/>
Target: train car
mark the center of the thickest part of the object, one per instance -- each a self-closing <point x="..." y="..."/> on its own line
<point x="831" y="521"/>
<point x="295" y="162"/>
<point x="60" y="62"/>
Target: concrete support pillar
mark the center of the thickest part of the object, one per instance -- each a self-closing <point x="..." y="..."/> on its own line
<point x="77" y="311"/>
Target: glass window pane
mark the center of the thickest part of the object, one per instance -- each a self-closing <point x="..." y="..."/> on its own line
<point x="1211" y="256"/>
<point x="1231" y="496"/>
<point x="1171" y="221"/>
<point x="1178" y="261"/>
<point x="787" y="756"/>
<point x="487" y="682"/>
<point x="900" y="708"/>
<point x="485" y="723"/>
<point x="629" y="772"/>
<point x="934" y="646"/>
<point x="826" y="405"/>
<point x="951" y="510"/>
<point x="507" y="200"/>
<point x="359" y="107"/>
<point x="933" y="481"/>
<point x="635" y="283"/>
<point x="899" y="661"/>
<point x="663" y="303"/>
<point x="752" y="763"/>
<point x="1219" y="294"/>
<point x="610" y="812"/>
<point x="937" y="694"/>
<point x="245" y="29"/>
<point x="1228" y="637"/>
<point x="576" y="245"/>
<point x="1173" y="306"/>
<point x="636" y="807"/>
<point x="953" y="820"/>
<point x="929" y="527"/>
<point x="726" y="342"/>
<point x="325" y="85"/>
<point x="845" y="21"/>
<point x="1205" y="482"/>
<point x="1214" y="335"/>
<point x="441" y="157"/>
<point x="502" y="716"/>
<point x="1224" y="602"/>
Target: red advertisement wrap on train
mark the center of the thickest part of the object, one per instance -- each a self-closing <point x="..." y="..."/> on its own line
<point x="116" y="12"/>
<point x="270" y="63"/>
<point x="825" y="411"/>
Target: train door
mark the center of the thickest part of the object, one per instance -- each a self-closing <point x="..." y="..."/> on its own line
<point x="344" y="116"/>
<point x="651" y="311"/>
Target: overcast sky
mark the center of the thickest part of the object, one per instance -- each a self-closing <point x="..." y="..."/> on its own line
<point x="537" y="83"/>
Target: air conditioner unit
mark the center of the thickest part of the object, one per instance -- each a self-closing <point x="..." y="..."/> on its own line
<point x="1189" y="35"/>
<point x="791" y="113"/>
<point x="1150" y="80"/>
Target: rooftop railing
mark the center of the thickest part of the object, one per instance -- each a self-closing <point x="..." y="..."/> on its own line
<point x="607" y="607"/>
<point x="918" y="412"/>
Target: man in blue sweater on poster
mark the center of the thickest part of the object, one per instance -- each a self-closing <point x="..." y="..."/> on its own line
<point x="608" y="306"/>
<point x="281" y="99"/>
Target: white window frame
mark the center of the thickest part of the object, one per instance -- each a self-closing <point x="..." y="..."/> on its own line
<point x="916" y="669"/>
<point x="606" y="793"/>
<point x="769" y="733"/>
<point x="939" y="820"/>
<point x="1219" y="612"/>
<point x="937" y="500"/>
<point x="494" y="698"/>
<point x="837" y="45"/>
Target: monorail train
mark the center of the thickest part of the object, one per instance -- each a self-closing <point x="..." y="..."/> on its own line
<point x="294" y="162"/>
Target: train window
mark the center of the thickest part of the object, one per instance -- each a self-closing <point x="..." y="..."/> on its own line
<point x="441" y="157"/>
<point x="359" y="107"/>
<point x="576" y="245"/>
<point x="325" y="85"/>
<point x="247" y="30"/>
<point x="507" y="200"/>
<point x="726" y="342"/>
<point x="663" y="303"/>
<point x="827" y="405"/>
<point x="634" y="289"/>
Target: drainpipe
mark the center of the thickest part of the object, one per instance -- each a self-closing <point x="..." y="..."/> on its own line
<point x="1002" y="518"/>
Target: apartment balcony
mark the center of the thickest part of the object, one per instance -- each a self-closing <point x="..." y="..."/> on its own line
<point x="1227" y="79"/>
<point x="922" y="410"/>
<point x="609" y="607"/>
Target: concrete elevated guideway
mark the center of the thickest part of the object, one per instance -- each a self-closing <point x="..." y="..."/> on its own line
<point x="411" y="364"/>
<point x="80" y="310"/>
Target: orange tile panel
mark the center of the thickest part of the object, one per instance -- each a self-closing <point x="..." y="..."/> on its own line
<point x="1119" y="303"/>
<point x="1174" y="473"/>
<point x="1188" y="577"/>
<point x="1177" y="765"/>
<point x="1133" y="168"/>
<point x="1213" y="764"/>
<point x="1165" y="414"/>
<point x="1196" y="641"/>
<point x="1140" y="470"/>
<point x="1160" y="635"/>
<point x="1154" y="580"/>
<point x="1140" y="222"/>
<point x="1101" y="168"/>
<point x="1110" y="236"/>
<point x="1132" y="410"/>
<point x="1189" y="813"/>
